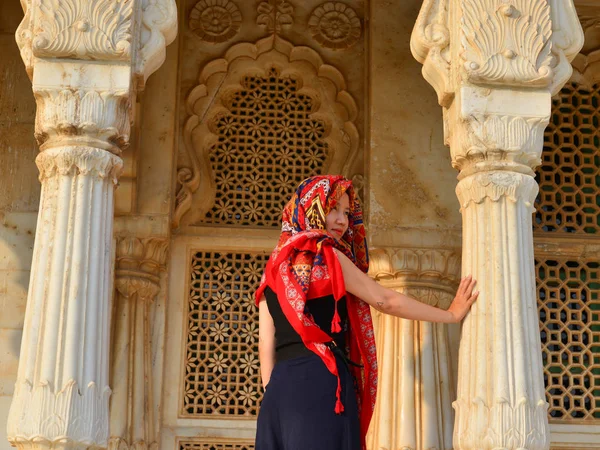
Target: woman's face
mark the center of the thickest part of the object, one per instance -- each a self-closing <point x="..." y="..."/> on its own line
<point x="336" y="221"/>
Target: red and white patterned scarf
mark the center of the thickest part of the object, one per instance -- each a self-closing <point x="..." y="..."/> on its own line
<point x="304" y="266"/>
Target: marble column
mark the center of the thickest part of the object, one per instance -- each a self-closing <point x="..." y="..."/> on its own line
<point x="86" y="60"/>
<point x="495" y="65"/>
<point x="416" y="359"/>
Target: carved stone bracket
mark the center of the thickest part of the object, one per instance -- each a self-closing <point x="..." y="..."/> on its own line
<point x="587" y="62"/>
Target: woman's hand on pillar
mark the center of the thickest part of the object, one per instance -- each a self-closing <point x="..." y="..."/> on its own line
<point x="465" y="297"/>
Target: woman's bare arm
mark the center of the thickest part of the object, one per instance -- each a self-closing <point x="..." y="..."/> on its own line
<point x="391" y="302"/>
<point x="266" y="341"/>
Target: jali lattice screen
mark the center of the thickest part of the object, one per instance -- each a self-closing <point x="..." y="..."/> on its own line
<point x="569" y="307"/>
<point x="223" y="445"/>
<point x="221" y="374"/>
<point x="569" y="178"/>
<point x="267" y="145"/>
<point x="569" y="286"/>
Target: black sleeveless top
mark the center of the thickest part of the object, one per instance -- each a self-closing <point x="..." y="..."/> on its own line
<point x="288" y="343"/>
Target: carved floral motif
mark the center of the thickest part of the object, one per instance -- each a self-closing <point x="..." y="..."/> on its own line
<point x="508" y="42"/>
<point x="335" y="25"/>
<point x="65" y="115"/>
<point x="215" y="20"/>
<point x="84" y="29"/>
<point x="275" y="15"/>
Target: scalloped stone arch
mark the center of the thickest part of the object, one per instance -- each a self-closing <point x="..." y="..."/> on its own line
<point x="221" y="79"/>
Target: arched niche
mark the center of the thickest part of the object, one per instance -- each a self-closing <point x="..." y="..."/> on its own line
<point x="223" y="94"/>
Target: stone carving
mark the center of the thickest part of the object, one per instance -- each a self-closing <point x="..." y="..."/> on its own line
<point x="416" y="376"/>
<point x="334" y="25"/>
<point x="275" y="15"/>
<point x="84" y="30"/>
<point x="221" y="376"/>
<point x="70" y="116"/>
<point x="526" y="42"/>
<point x="78" y="161"/>
<point x="498" y="137"/>
<point x="82" y="125"/>
<point x="210" y="108"/>
<point x="158" y="29"/>
<point x="98" y="30"/>
<point x="510" y="57"/>
<point x="508" y="43"/>
<point x="133" y="413"/>
<point x="58" y="415"/>
<point x="568" y="198"/>
<point x="215" y="20"/>
<point x="429" y="275"/>
<point x="496" y="186"/>
<point x="430" y="45"/>
<point x="587" y="62"/>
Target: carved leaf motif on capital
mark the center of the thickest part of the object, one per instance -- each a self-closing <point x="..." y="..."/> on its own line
<point x="67" y="113"/>
<point x="508" y="43"/>
<point x="139" y="262"/>
<point x="334" y="25"/>
<point x="215" y="20"/>
<point x="494" y="137"/>
<point x="84" y="29"/>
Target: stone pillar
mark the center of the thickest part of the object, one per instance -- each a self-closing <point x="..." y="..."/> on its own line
<point x="416" y="376"/>
<point x="139" y="263"/>
<point x="495" y="65"/>
<point x="86" y="60"/>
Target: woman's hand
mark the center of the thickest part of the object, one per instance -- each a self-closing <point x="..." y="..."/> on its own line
<point x="465" y="297"/>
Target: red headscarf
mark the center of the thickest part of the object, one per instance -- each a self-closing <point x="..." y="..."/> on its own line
<point x="304" y="266"/>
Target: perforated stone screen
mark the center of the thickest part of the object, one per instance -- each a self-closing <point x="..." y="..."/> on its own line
<point x="221" y="374"/>
<point x="569" y="178"/>
<point x="569" y="308"/>
<point x="224" y="445"/>
<point x="267" y="144"/>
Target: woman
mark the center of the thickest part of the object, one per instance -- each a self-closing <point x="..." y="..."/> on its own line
<point x="316" y="341"/>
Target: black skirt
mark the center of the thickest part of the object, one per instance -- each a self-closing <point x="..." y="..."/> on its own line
<point x="298" y="408"/>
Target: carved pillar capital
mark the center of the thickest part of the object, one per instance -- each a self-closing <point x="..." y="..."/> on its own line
<point x="139" y="262"/>
<point x="429" y="275"/>
<point x="129" y="33"/>
<point x="494" y="65"/>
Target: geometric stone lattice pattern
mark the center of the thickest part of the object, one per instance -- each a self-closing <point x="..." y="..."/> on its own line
<point x="569" y="309"/>
<point x="569" y="178"/>
<point x="230" y="445"/>
<point x="267" y="144"/>
<point x="221" y="375"/>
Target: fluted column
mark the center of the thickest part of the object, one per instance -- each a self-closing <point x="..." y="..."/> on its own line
<point x="416" y="377"/>
<point x="495" y="65"/>
<point x="86" y="60"/>
<point x="139" y="263"/>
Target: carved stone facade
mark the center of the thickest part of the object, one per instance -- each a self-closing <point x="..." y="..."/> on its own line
<point x="156" y="319"/>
